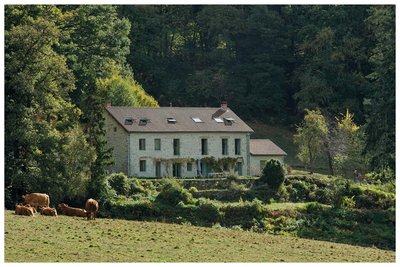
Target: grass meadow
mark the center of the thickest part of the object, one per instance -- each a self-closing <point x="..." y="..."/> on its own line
<point x="73" y="239"/>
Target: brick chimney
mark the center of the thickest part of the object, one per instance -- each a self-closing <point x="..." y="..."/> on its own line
<point x="224" y="105"/>
<point x="107" y="104"/>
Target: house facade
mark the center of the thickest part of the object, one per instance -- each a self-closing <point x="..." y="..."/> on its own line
<point x="177" y="141"/>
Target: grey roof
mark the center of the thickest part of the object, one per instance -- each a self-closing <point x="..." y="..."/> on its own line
<point x="157" y="119"/>
<point x="265" y="147"/>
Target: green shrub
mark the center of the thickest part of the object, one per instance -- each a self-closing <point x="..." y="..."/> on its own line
<point x="300" y="191"/>
<point x="135" y="187"/>
<point x="232" y="177"/>
<point x="124" y="208"/>
<point x="193" y="189"/>
<point x="263" y="192"/>
<point x="314" y="207"/>
<point x="238" y="187"/>
<point x="282" y="195"/>
<point x="323" y="196"/>
<point x="119" y="182"/>
<point x="386" y="175"/>
<point x="346" y="202"/>
<point x="243" y="212"/>
<point x="280" y="225"/>
<point x="273" y="174"/>
<point x="370" y="198"/>
<point x="358" y="227"/>
<point x="208" y="211"/>
<point x="172" y="193"/>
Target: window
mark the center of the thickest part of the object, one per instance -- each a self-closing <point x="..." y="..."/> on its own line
<point x="204" y="148"/>
<point x="189" y="167"/>
<point x="157" y="144"/>
<point x="142" y="165"/>
<point x="171" y="120"/>
<point x="228" y="121"/>
<point x="224" y="146"/>
<point x="128" y="121"/>
<point x="237" y="146"/>
<point x="158" y="169"/>
<point x="176" y="147"/>
<point x="115" y="129"/>
<point x="143" y="121"/>
<point x="196" y="119"/>
<point x="142" y="144"/>
<point x="218" y="120"/>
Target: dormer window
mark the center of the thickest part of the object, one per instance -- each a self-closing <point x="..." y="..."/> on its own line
<point x="228" y="121"/>
<point x="196" y="119"/>
<point x="218" y="120"/>
<point x="143" y="121"/>
<point x="171" y="120"/>
<point x="128" y="121"/>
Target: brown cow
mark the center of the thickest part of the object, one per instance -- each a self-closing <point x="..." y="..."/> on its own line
<point x="37" y="199"/>
<point x="48" y="212"/>
<point x="22" y="210"/>
<point x="91" y="207"/>
<point x="29" y="206"/>
<point x="69" y="211"/>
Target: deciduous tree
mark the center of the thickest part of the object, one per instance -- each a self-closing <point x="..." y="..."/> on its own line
<point x="310" y="137"/>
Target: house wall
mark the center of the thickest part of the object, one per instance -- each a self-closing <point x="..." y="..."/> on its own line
<point x="117" y="138"/>
<point x="255" y="167"/>
<point x="190" y="147"/>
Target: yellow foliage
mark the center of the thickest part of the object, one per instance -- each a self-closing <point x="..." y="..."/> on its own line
<point x="123" y="90"/>
<point x="346" y="123"/>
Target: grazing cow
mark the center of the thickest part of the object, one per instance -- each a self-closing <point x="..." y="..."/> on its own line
<point x="37" y="199"/>
<point x="91" y="207"/>
<point x="48" y="212"/>
<point x="22" y="210"/>
<point x="69" y="211"/>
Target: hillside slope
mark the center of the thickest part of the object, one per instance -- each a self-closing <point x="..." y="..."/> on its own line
<point x="72" y="239"/>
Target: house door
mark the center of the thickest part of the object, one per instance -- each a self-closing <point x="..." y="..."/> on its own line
<point x="239" y="168"/>
<point x="176" y="170"/>
<point x="158" y="169"/>
<point x="204" y="169"/>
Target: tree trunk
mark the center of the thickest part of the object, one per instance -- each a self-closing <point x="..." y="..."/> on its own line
<point x="330" y="160"/>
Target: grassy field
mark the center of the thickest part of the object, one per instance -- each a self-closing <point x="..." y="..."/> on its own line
<point x="72" y="239"/>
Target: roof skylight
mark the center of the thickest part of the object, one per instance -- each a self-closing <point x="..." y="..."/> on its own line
<point x="229" y="121"/>
<point x="128" y="121"/>
<point x="171" y="120"/>
<point x="196" y="119"/>
<point x="218" y="120"/>
<point x="143" y="121"/>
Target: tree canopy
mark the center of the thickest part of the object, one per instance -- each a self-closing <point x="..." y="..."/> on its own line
<point x="59" y="62"/>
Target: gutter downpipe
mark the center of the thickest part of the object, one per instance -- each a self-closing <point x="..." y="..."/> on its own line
<point x="248" y="152"/>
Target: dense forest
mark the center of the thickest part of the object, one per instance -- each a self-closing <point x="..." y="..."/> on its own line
<point x="270" y="63"/>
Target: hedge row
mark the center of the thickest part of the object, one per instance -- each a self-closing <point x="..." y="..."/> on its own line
<point x="308" y="189"/>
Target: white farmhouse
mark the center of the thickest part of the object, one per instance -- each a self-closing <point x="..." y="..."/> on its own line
<point x="181" y="142"/>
